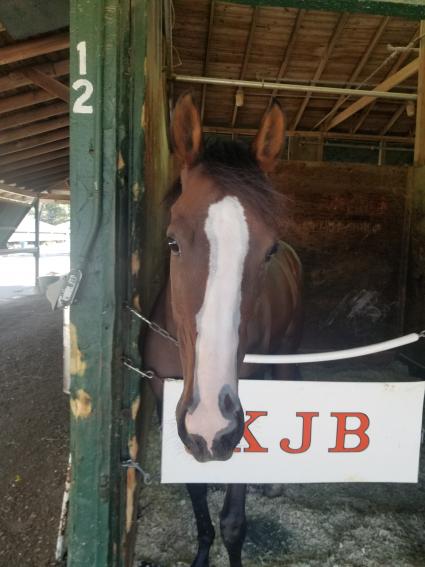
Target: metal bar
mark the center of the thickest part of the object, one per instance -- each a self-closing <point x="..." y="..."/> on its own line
<point x="10" y="251"/>
<point x="292" y="87"/>
<point x="37" y="238"/>
<point x="312" y="134"/>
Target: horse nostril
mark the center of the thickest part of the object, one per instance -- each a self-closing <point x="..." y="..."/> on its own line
<point x="228" y="405"/>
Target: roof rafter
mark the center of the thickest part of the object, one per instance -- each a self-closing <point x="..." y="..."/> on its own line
<point x="48" y="84"/>
<point x="398" y="64"/>
<point x="386" y="85"/>
<point x="358" y="69"/>
<point x="246" y="58"/>
<point x="34" y="141"/>
<point x="289" y="49"/>
<point x="23" y="100"/>
<point x="33" y="115"/>
<point x="36" y="160"/>
<point x="33" y="152"/>
<point x="207" y="51"/>
<point x="336" y="34"/>
<point x="33" y="47"/>
<point x="17" y="77"/>
<point x="393" y="119"/>
<point x="34" y="129"/>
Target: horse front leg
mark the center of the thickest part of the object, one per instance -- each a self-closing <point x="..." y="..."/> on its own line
<point x="206" y="533"/>
<point x="233" y="522"/>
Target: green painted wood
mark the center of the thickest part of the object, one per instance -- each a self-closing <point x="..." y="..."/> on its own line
<point x="27" y="18"/>
<point x="95" y="526"/>
<point x="412" y="9"/>
<point x="11" y="214"/>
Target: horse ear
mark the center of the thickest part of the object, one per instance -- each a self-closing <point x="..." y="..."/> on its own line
<point x="270" y="138"/>
<point x="186" y="129"/>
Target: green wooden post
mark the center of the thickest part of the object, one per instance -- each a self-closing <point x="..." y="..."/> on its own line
<point x="99" y="128"/>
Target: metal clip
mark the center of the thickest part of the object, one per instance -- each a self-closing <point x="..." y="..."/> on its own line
<point x="130" y="464"/>
<point x="149" y="374"/>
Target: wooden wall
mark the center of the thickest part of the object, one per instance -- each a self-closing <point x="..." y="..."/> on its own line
<point x="346" y="222"/>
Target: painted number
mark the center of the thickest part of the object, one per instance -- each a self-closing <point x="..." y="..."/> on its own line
<point x="79" y="105"/>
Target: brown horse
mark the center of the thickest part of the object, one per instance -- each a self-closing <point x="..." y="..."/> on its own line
<point x="233" y="288"/>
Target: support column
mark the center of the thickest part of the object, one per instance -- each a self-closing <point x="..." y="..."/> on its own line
<point x="37" y="239"/>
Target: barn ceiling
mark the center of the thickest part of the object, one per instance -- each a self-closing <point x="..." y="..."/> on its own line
<point x="233" y="41"/>
<point x="208" y="39"/>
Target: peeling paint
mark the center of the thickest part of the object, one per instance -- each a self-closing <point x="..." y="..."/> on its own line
<point x="133" y="447"/>
<point x="142" y="117"/>
<point x="135" y="407"/>
<point x="135" y="263"/>
<point x="121" y="162"/>
<point x="136" y="191"/>
<point x="81" y="405"/>
<point x="78" y="364"/>
<point x="136" y="302"/>
<point x="131" y="487"/>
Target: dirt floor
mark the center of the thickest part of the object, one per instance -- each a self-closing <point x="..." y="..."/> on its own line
<point x="339" y="525"/>
<point x="33" y="431"/>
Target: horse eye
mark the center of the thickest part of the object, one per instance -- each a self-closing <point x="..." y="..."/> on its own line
<point x="272" y="251"/>
<point x="174" y="246"/>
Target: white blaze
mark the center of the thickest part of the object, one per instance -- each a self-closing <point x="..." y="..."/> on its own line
<point x="218" y="319"/>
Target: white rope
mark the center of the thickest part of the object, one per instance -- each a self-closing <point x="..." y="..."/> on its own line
<point x="335" y="355"/>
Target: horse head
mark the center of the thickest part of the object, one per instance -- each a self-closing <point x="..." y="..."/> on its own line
<point x="221" y="237"/>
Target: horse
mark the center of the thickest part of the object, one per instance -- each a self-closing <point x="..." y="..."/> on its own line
<point x="233" y="288"/>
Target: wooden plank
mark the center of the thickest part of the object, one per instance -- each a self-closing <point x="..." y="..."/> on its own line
<point x="419" y="158"/>
<point x="49" y="84"/>
<point x="398" y="64"/>
<point x="393" y="120"/>
<point x="18" y="101"/>
<point x="33" y="47"/>
<point x="289" y="49"/>
<point x="7" y="169"/>
<point x="44" y="166"/>
<point x="44" y="183"/>
<point x="34" y="129"/>
<point x="206" y="58"/>
<point x="33" y="115"/>
<point x="17" y="78"/>
<point x="386" y="85"/>
<point x="34" y="152"/>
<point x="34" y="141"/>
<point x="246" y="58"/>
<point x="335" y="36"/>
<point x="358" y="69"/>
<point x="36" y="176"/>
<point x="413" y="9"/>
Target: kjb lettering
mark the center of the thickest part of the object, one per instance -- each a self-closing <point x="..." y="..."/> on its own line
<point x="341" y="434"/>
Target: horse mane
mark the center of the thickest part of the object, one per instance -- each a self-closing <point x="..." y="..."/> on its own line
<point x="234" y="169"/>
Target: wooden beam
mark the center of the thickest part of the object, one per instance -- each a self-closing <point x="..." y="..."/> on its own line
<point x="207" y="51"/>
<point x="15" y="102"/>
<point x="34" y="141"/>
<point x="58" y="197"/>
<point x="386" y="85"/>
<point x="6" y="170"/>
<point x="33" y="48"/>
<point x="45" y="182"/>
<point x="358" y="69"/>
<point x="419" y="157"/>
<point x="34" y="152"/>
<point x="34" y="129"/>
<point x="312" y="134"/>
<point x="41" y="167"/>
<point x="17" y="78"/>
<point x="49" y="84"/>
<point x="414" y="9"/>
<point x="289" y="49"/>
<point x="398" y="64"/>
<point x="393" y="119"/>
<point x="335" y="36"/>
<point x="246" y="59"/>
<point x="33" y="177"/>
<point x="18" y="119"/>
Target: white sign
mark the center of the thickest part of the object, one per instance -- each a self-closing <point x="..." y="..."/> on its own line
<point x="309" y="432"/>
